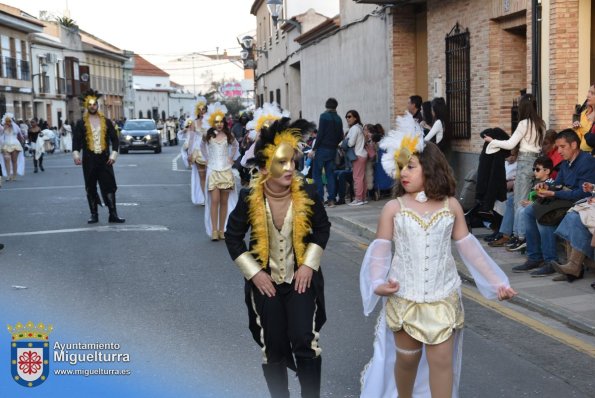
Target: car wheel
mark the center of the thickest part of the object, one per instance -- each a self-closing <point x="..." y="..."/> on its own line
<point x="158" y="149"/>
<point x="124" y="151"/>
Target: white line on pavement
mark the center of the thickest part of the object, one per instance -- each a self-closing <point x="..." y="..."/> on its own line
<point x="82" y="187"/>
<point x="174" y="162"/>
<point x="102" y="228"/>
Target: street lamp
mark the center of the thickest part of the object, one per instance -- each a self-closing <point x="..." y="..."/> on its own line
<point x="248" y="50"/>
<point x="44" y="70"/>
<point x="275" y="7"/>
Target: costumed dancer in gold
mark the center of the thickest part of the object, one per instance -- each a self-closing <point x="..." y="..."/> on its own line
<point x="12" y="161"/>
<point x="219" y="148"/>
<point x="284" y="283"/>
<point x="93" y="135"/>
<point x="417" y="349"/>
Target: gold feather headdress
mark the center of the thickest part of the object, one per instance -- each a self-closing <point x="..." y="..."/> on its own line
<point x="214" y="110"/>
<point x="88" y="97"/>
<point x="400" y="144"/>
<point x="200" y="103"/>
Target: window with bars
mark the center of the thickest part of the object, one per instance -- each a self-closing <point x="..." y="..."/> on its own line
<point x="458" y="82"/>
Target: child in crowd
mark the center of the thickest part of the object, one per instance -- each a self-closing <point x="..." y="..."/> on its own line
<point x="422" y="317"/>
<point x="542" y="170"/>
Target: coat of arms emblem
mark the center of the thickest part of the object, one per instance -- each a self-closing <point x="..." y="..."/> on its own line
<point x="29" y="353"/>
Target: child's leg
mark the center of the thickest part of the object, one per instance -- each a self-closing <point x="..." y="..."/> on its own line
<point x="408" y="356"/>
<point x="223" y="209"/>
<point x="214" y="209"/>
<point x="439" y="358"/>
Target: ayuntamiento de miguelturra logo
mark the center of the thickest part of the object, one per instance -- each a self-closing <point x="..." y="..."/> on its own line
<point x="30" y="353"/>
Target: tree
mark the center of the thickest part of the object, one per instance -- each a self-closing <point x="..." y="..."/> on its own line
<point x="67" y="22"/>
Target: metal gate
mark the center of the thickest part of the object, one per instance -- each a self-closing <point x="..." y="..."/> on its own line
<point x="458" y="82"/>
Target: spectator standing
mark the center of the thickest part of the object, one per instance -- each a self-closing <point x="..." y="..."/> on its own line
<point x="529" y="135"/>
<point x="414" y="107"/>
<point x="357" y="141"/>
<point x="437" y="133"/>
<point x="324" y="152"/>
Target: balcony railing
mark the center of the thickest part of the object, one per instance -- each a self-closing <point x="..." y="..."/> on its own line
<point x="25" y="70"/>
<point x="11" y="67"/>
<point x="60" y="85"/>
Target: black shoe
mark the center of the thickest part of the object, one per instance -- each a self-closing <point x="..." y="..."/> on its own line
<point x="35" y="170"/>
<point x="545" y="270"/>
<point x="340" y="202"/>
<point x="512" y="241"/>
<point x="493" y="237"/>
<point x="528" y="266"/>
<point x="94" y="219"/>
<point x="41" y="167"/>
<point x="1" y="246"/>
<point x="519" y="245"/>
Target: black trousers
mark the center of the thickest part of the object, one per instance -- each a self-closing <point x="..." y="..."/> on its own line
<point x="96" y="170"/>
<point x="287" y="324"/>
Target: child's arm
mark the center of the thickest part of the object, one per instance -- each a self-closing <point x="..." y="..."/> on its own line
<point x="491" y="281"/>
<point x="377" y="261"/>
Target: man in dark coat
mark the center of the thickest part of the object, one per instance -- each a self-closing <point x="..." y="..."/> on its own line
<point x="92" y="136"/>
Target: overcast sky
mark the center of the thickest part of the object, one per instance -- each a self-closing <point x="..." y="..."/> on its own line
<point x="172" y="27"/>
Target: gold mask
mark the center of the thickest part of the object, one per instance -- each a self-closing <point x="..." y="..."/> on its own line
<point x="283" y="160"/>
<point x="218" y="121"/>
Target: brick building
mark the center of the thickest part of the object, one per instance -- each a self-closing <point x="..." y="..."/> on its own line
<point x="495" y="49"/>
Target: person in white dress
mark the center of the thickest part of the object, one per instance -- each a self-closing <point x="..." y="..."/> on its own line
<point x="13" y="158"/>
<point x="219" y="149"/>
<point x="417" y="349"/>
<point x="66" y="137"/>
<point x="193" y="158"/>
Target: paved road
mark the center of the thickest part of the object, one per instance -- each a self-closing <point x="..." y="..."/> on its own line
<point x="173" y="300"/>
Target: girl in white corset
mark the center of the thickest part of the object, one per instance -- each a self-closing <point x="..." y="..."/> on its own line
<point x="219" y="149"/>
<point x="417" y="350"/>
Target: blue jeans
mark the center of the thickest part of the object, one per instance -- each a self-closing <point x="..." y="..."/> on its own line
<point x="325" y="158"/>
<point x="508" y="219"/>
<point x="519" y="229"/>
<point x="541" y="240"/>
<point x="574" y="231"/>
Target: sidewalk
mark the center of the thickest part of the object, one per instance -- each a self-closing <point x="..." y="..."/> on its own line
<point x="570" y="303"/>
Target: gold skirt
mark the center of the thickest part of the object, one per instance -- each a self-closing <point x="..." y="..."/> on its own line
<point x="220" y="180"/>
<point x="8" y="148"/>
<point x="196" y="157"/>
<point x="430" y="323"/>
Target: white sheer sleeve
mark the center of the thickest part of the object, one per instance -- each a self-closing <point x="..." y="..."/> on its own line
<point x="234" y="149"/>
<point x="204" y="149"/>
<point x="374" y="271"/>
<point x="487" y="274"/>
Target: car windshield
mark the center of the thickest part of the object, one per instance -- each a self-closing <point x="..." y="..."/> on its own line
<point x="140" y="125"/>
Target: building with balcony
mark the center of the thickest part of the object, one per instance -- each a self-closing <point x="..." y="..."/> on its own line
<point x="48" y="82"/>
<point x="15" y="66"/>
<point x="105" y="73"/>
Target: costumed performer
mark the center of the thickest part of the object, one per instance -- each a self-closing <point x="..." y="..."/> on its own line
<point x="219" y="148"/>
<point x="422" y="316"/>
<point x="284" y="289"/>
<point x="93" y="135"/>
<point x="13" y="157"/>
<point x="192" y="157"/>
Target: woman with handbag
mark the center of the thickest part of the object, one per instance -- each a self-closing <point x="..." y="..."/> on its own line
<point x="357" y="141"/>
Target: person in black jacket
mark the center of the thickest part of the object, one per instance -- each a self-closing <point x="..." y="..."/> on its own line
<point x="93" y="135"/>
<point x="284" y="289"/>
<point x="324" y="152"/>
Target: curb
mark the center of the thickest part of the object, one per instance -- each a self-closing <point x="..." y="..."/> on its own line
<point x="533" y="303"/>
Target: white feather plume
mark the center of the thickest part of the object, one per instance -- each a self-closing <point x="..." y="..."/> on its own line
<point x="406" y="126"/>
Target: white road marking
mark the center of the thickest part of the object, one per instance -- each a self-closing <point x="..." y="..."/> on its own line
<point x="101" y="228"/>
<point x="174" y="162"/>
<point x="83" y="187"/>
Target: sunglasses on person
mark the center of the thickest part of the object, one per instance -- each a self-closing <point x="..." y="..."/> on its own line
<point x="348" y="116"/>
<point x="537" y="168"/>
